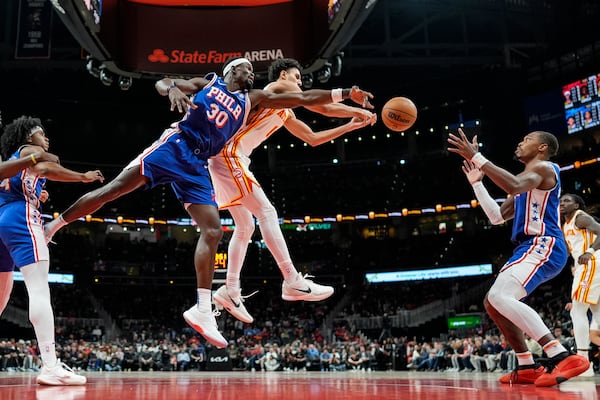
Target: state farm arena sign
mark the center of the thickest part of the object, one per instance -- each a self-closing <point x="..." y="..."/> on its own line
<point x="179" y="56"/>
<point x="172" y="40"/>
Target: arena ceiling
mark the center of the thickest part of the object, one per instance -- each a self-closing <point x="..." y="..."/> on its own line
<point x="415" y="34"/>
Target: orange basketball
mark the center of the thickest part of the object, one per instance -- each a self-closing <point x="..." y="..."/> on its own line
<point x="399" y="114"/>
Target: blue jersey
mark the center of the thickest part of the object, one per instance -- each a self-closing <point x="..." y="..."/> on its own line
<point x="24" y="186"/>
<point x="21" y="235"/>
<point x="537" y="213"/>
<point x="218" y="116"/>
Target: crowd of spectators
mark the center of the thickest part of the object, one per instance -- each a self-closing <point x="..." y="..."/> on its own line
<point x="294" y="344"/>
<point x="285" y="336"/>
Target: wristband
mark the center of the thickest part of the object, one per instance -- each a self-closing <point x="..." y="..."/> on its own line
<point x="171" y="86"/>
<point x="479" y="160"/>
<point x="337" y="95"/>
<point x="591" y="250"/>
<point x="33" y="158"/>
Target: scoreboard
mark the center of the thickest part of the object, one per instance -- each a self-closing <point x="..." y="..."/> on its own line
<point x="151" y="38"/>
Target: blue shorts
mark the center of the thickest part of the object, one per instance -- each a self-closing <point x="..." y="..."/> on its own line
<point x="171" y="160"/>
<point x="537" y="260"/>
<point x="22" y="239"/>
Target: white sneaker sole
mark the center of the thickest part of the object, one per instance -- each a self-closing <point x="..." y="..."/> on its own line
<point x="306" y="297"/>
<point x="223" y="303"/>
<point x="54" y="381"/>
<point x="214" y="341"/>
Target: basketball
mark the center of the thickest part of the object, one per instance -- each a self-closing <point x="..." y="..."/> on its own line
<point x="399" y="114"/>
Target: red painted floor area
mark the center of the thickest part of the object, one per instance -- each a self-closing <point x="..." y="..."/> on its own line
<point x="292" y="386"/>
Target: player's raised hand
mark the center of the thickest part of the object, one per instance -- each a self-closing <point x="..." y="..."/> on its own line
<point x="361" y="97"/>
<point x="462" y="146"/>
<point x="473" y="173"/>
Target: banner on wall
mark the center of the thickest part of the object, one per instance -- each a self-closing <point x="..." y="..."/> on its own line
<point x="34" y="29"/>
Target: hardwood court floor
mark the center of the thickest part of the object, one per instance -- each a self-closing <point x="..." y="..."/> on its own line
<point x="292" y="386"/>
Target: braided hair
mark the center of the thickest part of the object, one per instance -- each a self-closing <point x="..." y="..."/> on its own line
<point x="16" y="134"/>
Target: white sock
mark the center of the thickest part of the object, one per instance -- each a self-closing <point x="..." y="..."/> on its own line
<point x="554" y="348"/>
<point x="40" y="308"/>
<point x="238" y="245"/>
<point x="581" y="324"/>
<point x="48" y="353"/>
<point x="268" y="222"/>
<point x="584" y="353"/>
<point x="204" y="299"/>
<point x="289" y="272"/>
<point x="53" y="226"/>
<point x="525" y="358"/>
<point x="232" y="282"/>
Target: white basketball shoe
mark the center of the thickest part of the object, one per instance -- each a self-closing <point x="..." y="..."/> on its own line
<point x="58" y="375"/>
<point x="204" y="323"/>
<point x="233" y="301"/>
<point x="305" y="289"/>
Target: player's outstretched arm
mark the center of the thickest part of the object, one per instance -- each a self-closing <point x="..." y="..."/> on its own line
<point x="13" y="167"/>
<point x="339" y="110"/>
<point x="489" y="206"/>
<point x="304" y="133"/>
<point x="309" y="97"/>
<point x="510" y="183"/>
<point x="334" y="110"/>
<point x="178" y="91"/>
<point x="508" y="208"/>
<point x="186" y="86"/>
<point x="56" y="172"/>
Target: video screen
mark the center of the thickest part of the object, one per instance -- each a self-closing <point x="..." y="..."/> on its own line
<point x="66" y="279"/>
<point x="582" y="104"/>
<point x="464" y="321"/>
<point x="425" y="274"/>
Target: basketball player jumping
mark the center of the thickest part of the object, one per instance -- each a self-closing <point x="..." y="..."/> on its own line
<point x="541" y="253"/>
<point x="582" y="234"/>
<point x="22" y="241"/>
<point x="238" y="190"/>
<point x="218" y="108"/>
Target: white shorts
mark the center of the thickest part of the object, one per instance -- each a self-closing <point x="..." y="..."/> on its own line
<point x="232" y="179"/>
<point x="586" y="283"/>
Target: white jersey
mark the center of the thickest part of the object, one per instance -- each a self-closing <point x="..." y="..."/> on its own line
<point x="578" y="240"/>
<point x="229" y="169"/>
<point x="586" y="282"/>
